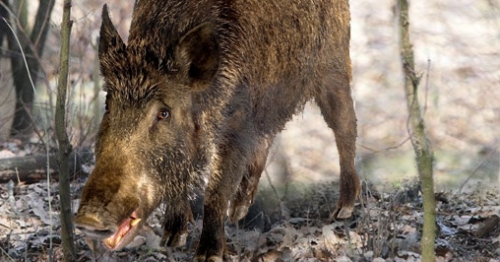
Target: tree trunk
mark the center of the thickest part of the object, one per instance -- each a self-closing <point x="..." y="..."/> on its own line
<point x="421" y="144"/>
<point x="65" y="147"/>
<point x="7" y="93"/>
<point x="25" y="78"/>
<point x="4" y="14"/>
<point x="21" y="7"/>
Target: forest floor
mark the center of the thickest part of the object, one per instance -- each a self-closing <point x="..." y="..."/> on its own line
<point x="291" y="226"/>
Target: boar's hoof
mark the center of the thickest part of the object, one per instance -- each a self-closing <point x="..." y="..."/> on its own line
<point x="344" y="209"/>
<point x="349" y="191"/>
<point x="176" y="240"/>
<point x="175" y="227"/>
<point x="207" y="259"/>
<point x="343" y="212"/>
<point x="237" y="212"/>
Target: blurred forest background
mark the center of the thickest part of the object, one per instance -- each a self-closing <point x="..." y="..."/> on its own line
<point x="457" y="53"/>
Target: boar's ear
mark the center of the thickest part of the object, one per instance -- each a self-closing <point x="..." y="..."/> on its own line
<point x="111" y="46"/>
<point x="198" y="55"/>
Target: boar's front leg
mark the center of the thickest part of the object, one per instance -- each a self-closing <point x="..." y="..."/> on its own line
<point x="245" y="195"/>
<point x="227" y="173"/>
<point x="177" y="215"/>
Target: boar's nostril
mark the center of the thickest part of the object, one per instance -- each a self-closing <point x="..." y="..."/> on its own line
<point x="93" y="227"/>
<point x="96" y="234"/>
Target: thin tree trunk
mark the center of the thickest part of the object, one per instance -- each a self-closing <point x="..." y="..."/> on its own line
<point x="421" y="145"/>
<point x="65" y="147"/>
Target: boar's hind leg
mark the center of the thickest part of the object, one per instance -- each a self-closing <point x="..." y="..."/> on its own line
<point x="177" y="215"/>
<point x="245" y="195"/>
<point x="335" y="102"/>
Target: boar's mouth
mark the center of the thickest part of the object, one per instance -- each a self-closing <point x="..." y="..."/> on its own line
<point x="113" y="237"/>
<point x="125" y="233"/>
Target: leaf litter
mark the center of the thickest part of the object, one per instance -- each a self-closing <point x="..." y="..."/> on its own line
<point x="386" y="226"/>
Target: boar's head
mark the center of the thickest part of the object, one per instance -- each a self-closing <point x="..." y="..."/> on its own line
<point x="145" y="146"/>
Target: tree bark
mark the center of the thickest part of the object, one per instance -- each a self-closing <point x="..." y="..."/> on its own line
<point x="21" y="7"/>
<point x="421" y="144"/>
<point x="4" y="14"/>
<point x="65" y="147"/>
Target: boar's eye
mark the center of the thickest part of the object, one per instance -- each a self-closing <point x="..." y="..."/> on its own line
<point x="163" y="114"/>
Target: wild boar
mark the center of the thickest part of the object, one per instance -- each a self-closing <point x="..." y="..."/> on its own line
<point x="194" y="101"/>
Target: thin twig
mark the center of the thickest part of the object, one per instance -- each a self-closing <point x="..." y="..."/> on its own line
<point x="387" y="148"/>
<point x="426" y="88"/>
<point x="475" y="170"/>
<point x="271" y="184"/>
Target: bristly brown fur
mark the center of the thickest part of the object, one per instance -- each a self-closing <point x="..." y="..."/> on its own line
<point x="195" y="99"/>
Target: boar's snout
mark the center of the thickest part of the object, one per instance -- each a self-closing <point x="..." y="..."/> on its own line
<point x="115" y="201"/>
<point x="94" y="227"/>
